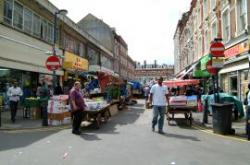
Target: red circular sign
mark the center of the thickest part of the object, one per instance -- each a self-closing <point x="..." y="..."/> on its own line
<point x="210" y="69"/>
<point x="217" y="49"/>
<point x="53" y="63"/>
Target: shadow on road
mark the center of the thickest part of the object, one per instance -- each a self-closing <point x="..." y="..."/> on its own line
<point x="19" y="140"/>
<point x="90" y="137"/>
<point x="183" y="137"/>
<point x="127" y="116"/>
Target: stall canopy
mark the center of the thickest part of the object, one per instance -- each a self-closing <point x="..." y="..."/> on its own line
<point x="175" y="83"/>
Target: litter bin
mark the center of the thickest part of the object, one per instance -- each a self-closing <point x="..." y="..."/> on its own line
<point x="222" y="118"/>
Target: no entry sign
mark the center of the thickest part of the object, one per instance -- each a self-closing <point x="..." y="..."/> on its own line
<point x="217" y="49"/>
<point x="53" y="63"/>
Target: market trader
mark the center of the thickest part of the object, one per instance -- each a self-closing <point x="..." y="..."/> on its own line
<point x="77" y="105"/>
<point x="158" y="98"/>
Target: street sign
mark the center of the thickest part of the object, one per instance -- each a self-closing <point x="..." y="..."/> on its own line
<point x="217" y="49"/>
<point x="53" y="63"/>
<point x="218" y="62"/>
<point x="210" y="68"/>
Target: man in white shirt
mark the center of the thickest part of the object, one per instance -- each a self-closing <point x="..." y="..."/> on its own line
<point x="159" y="99"/>
<point x="14" y="94"/>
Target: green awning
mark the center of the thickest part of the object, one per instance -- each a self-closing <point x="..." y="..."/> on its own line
<point x="201" y="74"/>
<point x="204" y="60"/>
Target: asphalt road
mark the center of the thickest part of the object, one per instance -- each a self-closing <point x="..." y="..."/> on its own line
<point x="125" y="140"/>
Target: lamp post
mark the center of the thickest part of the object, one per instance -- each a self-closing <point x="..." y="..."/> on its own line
<point x="62" y="12"/>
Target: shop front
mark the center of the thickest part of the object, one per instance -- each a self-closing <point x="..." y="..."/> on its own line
<point x="73" y="66"/>
<point x="234" y="75"/>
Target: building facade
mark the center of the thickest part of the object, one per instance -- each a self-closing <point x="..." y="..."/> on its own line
<point x="145" y="73"/>
<point x="27" y="39"/>
<point x="119" y="63"/>
<point x="210" y="19"/>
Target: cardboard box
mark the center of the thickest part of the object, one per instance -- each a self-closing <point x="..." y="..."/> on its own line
<point x="113" y="109"/>
<point x="35" y="113"/>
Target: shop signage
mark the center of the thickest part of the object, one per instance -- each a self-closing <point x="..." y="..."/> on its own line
<point x="53" y="63"/>
<point x="72" y="61"/>
<point x="218" y="63"/>
<point x="217" y="49"/>
<point x="236" y="50"/>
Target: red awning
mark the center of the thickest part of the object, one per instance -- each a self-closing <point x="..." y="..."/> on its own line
<point x="175" y="83"/>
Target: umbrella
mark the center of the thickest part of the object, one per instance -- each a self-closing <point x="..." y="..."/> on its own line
<point x="175" y="83"/>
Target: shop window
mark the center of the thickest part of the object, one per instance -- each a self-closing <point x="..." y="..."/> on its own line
<point x="233" y="86"/>
<point x="18" y="16"/>
<point x="245" y="75"/>
<point x="8" y="9"/>
<point x="27" y="20"/>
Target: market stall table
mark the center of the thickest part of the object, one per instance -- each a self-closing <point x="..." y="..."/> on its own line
<point x="98" y="116"/>
<point x="32" y="108"/>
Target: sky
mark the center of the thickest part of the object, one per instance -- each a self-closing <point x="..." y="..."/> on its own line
<point x="147" y="26"/>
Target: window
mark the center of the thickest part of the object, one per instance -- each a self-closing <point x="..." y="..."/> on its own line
<point x="27" y="21"/>
<point x="241" y="15"/>
<point x="8" y="8"/>
<point x="225" y="26"/>
<point x="50" y="33"/>
<point x="214" y="31"/>
<point x="205" y="6"/>
<point x="44" y="30"/>
<point x="213" y="3"/>
<point x="93" y="56"/>
<point x="199" y="16"/>
<point x="36" y="25"/>
<point x="18" y="16"/>
<point x="206" y="41"/>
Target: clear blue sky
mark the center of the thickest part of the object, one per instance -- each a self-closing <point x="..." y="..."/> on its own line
<point x="147" y="26"/>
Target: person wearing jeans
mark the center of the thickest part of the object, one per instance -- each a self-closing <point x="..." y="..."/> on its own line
<point x="158" y="98"/>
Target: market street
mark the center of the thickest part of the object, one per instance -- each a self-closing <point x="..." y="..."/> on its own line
<point x="126" y="139"/>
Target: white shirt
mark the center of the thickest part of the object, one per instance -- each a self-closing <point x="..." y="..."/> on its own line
<point x="159" y="95"/>
<point x="15" y="93"/>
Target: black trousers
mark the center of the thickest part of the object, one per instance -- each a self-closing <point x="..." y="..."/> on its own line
<point x="44" y="115"/>
<point x="13" y="110"/>
<point x="77" y="119"/>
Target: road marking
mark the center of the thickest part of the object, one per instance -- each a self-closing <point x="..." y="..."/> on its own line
<point x="230" y="137"/>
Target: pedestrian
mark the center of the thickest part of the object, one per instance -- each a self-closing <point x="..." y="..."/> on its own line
<point x="159" y="99"/>
<point x="58" y="89"/>
<point x="248" y="113"/>
<point x="77" y="105"/>
<point x="44" y="98"/>
<point x="14" y="93"/>
<point x="38" y="89"/>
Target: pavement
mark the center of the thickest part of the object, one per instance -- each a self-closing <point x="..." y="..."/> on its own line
<point x="126" y="139"/>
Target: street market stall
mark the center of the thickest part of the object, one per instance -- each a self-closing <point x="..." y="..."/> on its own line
<point x="181" y="104"/>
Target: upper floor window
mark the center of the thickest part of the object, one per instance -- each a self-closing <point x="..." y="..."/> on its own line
<point x="225" y="26"/>
<point x="8" y="9"/>
<point x="241" y="15"/>
<point x="214" y="31"/>
<point x="27" y="21"/>
<point x="205" y="8"/>
<point x="18" y="16"/>
<point x="212" y="4"/>
<point x="22" y="18"/>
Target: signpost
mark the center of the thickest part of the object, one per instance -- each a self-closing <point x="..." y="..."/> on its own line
<point x="217" y="49"/>
<point x="53" y="63"/>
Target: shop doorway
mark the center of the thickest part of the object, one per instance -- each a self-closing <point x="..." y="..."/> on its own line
<point x="234" y="86"/>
